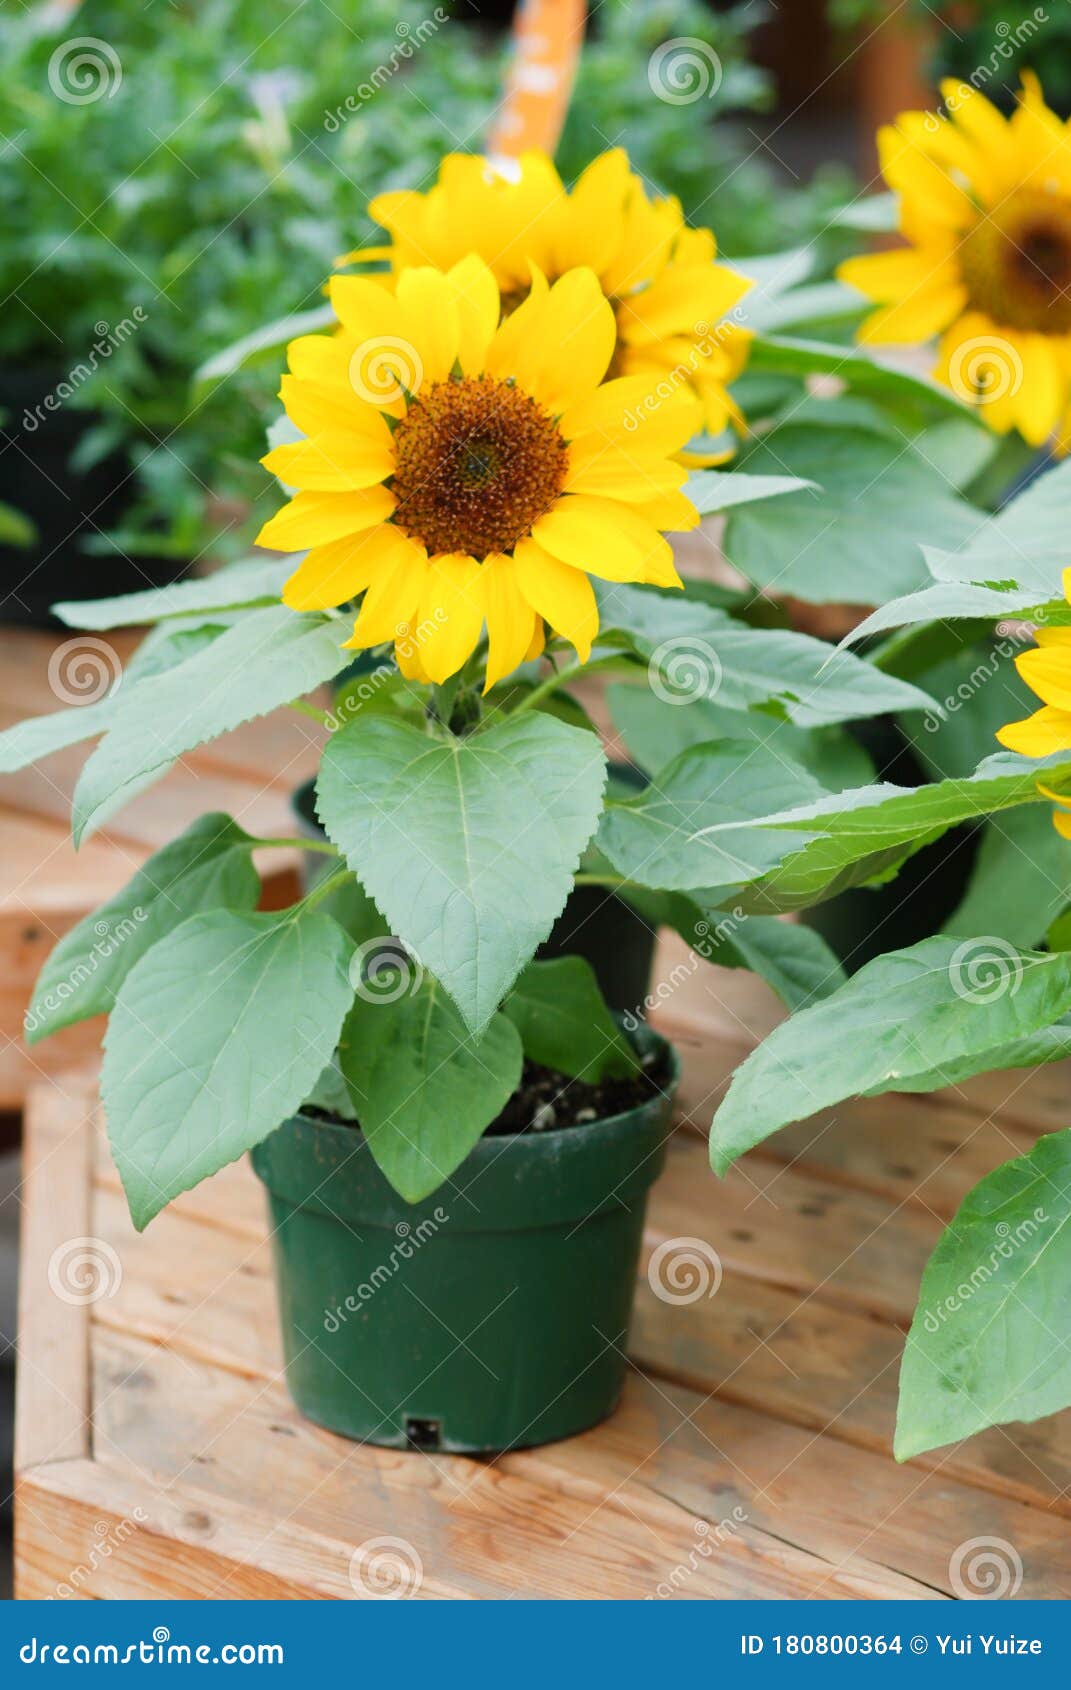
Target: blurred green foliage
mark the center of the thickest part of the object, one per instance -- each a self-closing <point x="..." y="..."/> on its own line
<point x="213" y="181"/>
<point x="984" y="42"/>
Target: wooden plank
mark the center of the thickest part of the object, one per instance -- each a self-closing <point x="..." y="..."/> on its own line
<point x="93" y="1532"/>
<point x="52" y="1396"/>
<point x="216" y="1316"/>
<point x="493" y="1530"/>
<point x="858" y="1510"/>
<point x="835" y="1373"/>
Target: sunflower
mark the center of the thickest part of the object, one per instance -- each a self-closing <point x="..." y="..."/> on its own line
<point x="1047" y="671"/>
<point x="462" y="473"/>
<point x="668" y="295"/>
<point x="985" y="202"/>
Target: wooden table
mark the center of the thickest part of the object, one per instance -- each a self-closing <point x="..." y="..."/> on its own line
<point x="159" y="1454"/>
<point x="47" y="886"/>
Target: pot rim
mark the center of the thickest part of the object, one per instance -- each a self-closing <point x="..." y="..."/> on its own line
<point x="495" y="1142"/>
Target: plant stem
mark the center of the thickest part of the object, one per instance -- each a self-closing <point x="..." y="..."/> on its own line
<point x="559" y="679"/>
<point x="323" y="845"/>
<point x="320" y="891"/>
<point x="304" y="708"/>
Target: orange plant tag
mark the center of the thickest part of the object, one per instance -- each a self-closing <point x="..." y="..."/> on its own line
<point x="547" y="37"/>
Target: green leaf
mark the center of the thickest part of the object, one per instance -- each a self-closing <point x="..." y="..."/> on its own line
<point x="905" y="1014"/>
<point x="671" y="836"/>
<point x="656" y="730"/>
<point x="695" y="651"/>
<point x="1024" y="543"/>
<point x="209" y="866"/>
<point x="779" y="355"/>
<point x="217" y="1036"/>
<point x="468" y="846"/>
<point x="988" y="1343"/>
<point x="962" y="601"/>
<point x="857" y="836"/>
<point x="27" y="742"/>
<point x="262" y="346"/>
<point x="858" y="540"/>
<point x="719" y="490"/>
<point x="270" y="657"/>
<point x="15" y="528"/>
<point x="794" y="960"/>
<point x="254" y="581"/>
<point x="1019" y="882"/>
<point x="423" y="1086"/>
<point x="564" y="1023"/>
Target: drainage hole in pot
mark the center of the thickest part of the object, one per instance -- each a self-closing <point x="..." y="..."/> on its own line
<point x="422" y="1434"/>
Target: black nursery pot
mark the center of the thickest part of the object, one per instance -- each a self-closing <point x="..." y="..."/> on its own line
<point x="491" y="1316"/>
<point x="595" y="924"/>
<point x="66" y="506"/>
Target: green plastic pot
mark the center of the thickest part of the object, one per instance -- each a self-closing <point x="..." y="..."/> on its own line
<point x="493" y="1315"/>
<point x="595" y="924"/>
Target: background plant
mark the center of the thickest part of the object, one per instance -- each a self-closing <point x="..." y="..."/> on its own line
<point x="215" y="177"/>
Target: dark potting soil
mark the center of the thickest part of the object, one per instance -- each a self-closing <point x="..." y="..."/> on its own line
<point x="546" y="1100"/>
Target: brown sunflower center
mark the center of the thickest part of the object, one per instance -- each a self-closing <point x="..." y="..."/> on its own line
<point x="478" y="462"/>
<point x="1017" y="263"/>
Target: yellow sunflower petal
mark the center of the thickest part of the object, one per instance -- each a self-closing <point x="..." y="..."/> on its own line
<point x="572" y="342"/>
<point x="921" y="181"/>
<point x="1047" y="671"/>
<point x="674" y="513"/>
<point x="631" y="410"/>
<point x="683" y="297"/>
<point x="365" y="308"/>
<point x="562" y="596"/>
<point x="510" y="619"/>
<point x="885" y="276"/>
<point x="1043" y="390"/>
<point x="391" y="601"/>
<point x="1039" y="735"/>
<point x="590" y="225"/>
<point x="477" y="302"/>
<point x="320" y="358"/>
<point x="314" y="519"/>
<point x="317" y="408"/>
<point x="601" y="536"/>
<point x="431" y="322"/>
<point x="333" y="574"/>
<point x="449" y="616"/>
<point x="617" y="473"/>
<point x="920" y="314"/>
<point x="332" y="463"/>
